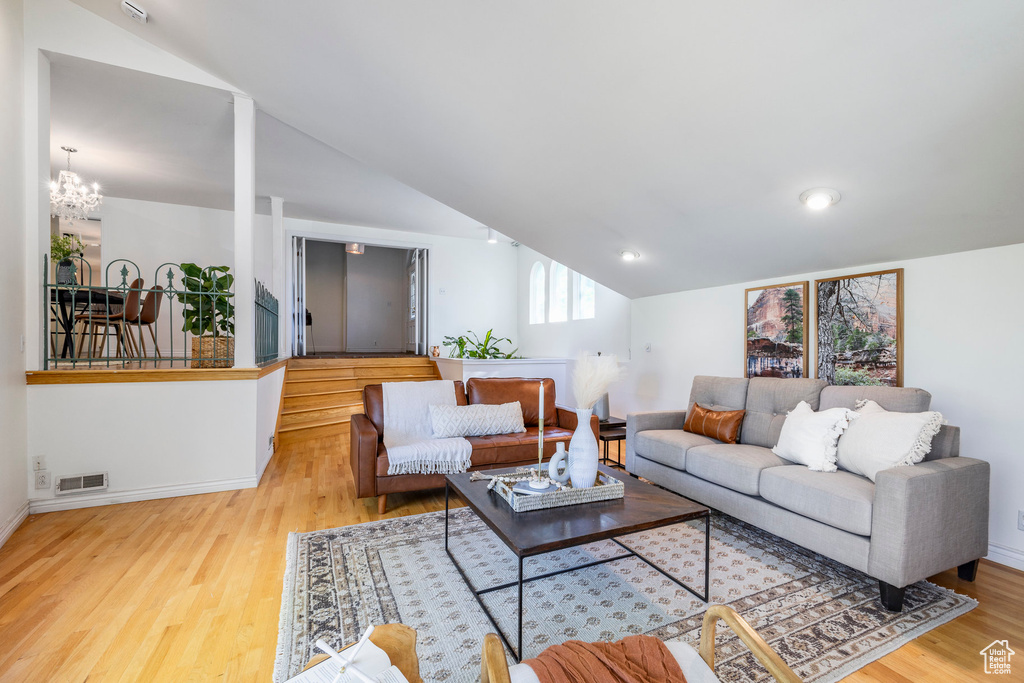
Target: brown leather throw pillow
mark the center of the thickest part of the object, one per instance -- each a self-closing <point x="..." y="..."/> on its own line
<point x="723" y="425"/>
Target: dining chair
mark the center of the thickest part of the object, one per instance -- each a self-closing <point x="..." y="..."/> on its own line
<point x="129" y="314"/>
<point x="150" y="312"/>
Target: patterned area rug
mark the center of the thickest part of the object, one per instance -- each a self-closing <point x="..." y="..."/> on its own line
<point x="823" y="618"/>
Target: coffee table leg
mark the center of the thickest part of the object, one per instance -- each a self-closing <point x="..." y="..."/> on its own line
<point x="519" y="650"/>
<point x="707" y="557"/>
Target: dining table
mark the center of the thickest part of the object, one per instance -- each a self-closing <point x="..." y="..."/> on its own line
<point x="70" y="300"/>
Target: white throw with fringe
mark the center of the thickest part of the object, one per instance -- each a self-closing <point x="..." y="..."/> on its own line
<point x="412" y="448"/>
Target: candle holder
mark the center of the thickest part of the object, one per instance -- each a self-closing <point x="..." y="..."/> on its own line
<point x="539" y="481"/>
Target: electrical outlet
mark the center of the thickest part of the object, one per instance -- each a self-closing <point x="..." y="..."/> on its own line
<point x="42" y="480"/>
<point x="270" y="442"/>
<point x="38" y="463"/>
<point x="1020" y="519"/>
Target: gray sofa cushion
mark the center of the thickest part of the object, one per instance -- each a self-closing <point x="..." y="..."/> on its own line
<point x="895" y="399"/>
<point x="668" y="446"/>
<point x="733" y="466"/>
<point x="768" y="401"/>
<point x="719" y="393"/>
<point x="839" y="499"/>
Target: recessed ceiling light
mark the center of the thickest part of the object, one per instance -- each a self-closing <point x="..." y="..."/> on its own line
<point x="492" y="235"/>
<point x="819" y="198"/>
<point x="629" y="255"/>
<point x="355" y="247"/>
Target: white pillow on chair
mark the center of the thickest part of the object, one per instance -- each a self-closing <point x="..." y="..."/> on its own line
<point x="478" y="419"/>
<point x="880" y="439"/>
<point x="809" y="437"/>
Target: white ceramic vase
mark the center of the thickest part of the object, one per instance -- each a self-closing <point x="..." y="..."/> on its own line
<point x="583" y="453"/>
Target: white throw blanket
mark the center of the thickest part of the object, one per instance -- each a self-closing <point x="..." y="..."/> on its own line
<point x="412" y="448"/>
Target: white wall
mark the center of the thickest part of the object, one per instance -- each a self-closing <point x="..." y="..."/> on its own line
<point x="963" y="326"/>
<point x="478" y="279"/>
<point x="13" y="460"/>
<point x="608" y="331"/>
<point x="325" y="296"/>
<point x="376" y="295"/>
<point x="156" y="439"/>
<point x="268" y="406"/>
<point x="151" y="234"/>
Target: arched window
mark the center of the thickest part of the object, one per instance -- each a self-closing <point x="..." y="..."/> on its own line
<point x="559" y="307"/>
<point x="537" y="294"/>
<point x="583" y="297"/>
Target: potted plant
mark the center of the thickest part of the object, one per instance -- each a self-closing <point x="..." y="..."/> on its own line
<point x="465" y="346"/>
<point x="208" y="314"/>
<point x="62" y="248"/>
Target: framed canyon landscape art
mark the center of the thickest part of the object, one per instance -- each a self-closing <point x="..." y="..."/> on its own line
<point x="860" y="328"/>
<point x="776" y="331"/>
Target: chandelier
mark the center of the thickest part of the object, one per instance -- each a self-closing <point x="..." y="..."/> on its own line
<point x="69" y="198"/>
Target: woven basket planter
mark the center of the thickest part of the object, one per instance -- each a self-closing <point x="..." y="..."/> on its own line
<point x="205" y="347"/>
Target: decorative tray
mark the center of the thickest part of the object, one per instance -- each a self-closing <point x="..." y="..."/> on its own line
<point x="606" y="488"/>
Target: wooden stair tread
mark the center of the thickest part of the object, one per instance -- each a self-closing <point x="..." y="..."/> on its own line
<point x="315" y="423"/>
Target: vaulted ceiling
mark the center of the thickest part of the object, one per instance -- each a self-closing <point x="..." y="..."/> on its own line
<point x="682" y="130"/>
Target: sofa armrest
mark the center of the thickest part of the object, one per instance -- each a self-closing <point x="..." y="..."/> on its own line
<point x="928" y="518"/>
<point x="567" y="420"/>
<point x="638" y="422"/>
<point x="363" y="455"/>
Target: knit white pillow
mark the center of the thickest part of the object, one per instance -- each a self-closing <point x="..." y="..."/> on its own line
<point x="810" y="437"/>
<point x="478" y="419"/>
<point x="880" y="439"/>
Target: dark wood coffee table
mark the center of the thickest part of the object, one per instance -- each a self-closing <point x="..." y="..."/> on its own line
<point x="528" y="534"/>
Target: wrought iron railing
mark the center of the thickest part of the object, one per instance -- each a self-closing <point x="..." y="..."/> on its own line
<point x="188" y="320"/>
<point x="266" y="325"/>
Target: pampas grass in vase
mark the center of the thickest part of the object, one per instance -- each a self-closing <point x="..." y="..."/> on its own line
<point x="590" y="380"/>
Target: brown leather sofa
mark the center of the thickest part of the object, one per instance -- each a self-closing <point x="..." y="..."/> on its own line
<point x="370" y="458"/>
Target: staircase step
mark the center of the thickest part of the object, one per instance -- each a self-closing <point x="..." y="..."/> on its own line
<point x="323" y="399"/>
<point x="396" y="372"/>
<point x="300" y="435"/>
<point x="303" y="387"/>
<point x="314" y="416"/>
<point x="321" y="373"/>
<point x="306" y="363"/>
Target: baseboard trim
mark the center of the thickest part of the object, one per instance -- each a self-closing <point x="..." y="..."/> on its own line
<point x="1002" y="554"/>
<point x="263" y="467"/>
<point x="13" y="522"/>
<point x="136" y="495"/>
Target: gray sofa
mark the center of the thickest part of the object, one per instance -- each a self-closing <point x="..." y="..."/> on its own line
<point x="911" y="523"/>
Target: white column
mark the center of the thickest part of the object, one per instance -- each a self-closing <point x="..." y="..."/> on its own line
<point x="37" y="202"/>
<point x="245" y="217"/>
<point x="277" y="285"/>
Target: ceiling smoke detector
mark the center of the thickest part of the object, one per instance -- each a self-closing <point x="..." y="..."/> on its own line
<point x="134" y="11"/>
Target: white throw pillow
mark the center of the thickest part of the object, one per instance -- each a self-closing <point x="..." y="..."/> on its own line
<point x="809" y="437"/>
<point x="479" y="419"/>
<point x="880" y="439"/>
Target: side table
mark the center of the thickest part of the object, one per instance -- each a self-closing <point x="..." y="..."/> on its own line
<point x="614" y="429"/>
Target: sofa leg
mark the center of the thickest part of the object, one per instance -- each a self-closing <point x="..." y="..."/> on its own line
<point x="968" y="571"/>
<point x="382" y="503"/>
<point x="892" y="597"/>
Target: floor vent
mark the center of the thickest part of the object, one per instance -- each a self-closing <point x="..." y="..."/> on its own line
<point x="82" y="483"/>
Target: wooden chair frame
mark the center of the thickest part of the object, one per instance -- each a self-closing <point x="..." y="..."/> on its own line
<point x="494" y="666"/>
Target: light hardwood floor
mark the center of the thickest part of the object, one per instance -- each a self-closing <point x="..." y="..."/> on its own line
<point x="189" y="589"/>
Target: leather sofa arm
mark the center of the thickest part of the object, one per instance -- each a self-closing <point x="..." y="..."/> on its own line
<point x="567" y="420"/>
<point x="928" y="518"/>
<point x="638" y="422"/>
<point x="363" y="455"/>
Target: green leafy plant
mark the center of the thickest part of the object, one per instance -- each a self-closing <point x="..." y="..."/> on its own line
<point x="63" y="247"/>
<point x="470" y="346"/>
<point x="207" y="300"/>
<point x="848" y="377"/>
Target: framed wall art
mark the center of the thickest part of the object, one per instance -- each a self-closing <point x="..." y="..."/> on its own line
<point x="776" y="331"/>
<point x="860" y="328"/>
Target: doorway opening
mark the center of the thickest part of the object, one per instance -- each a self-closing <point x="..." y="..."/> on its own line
<point x="359" y="300"/>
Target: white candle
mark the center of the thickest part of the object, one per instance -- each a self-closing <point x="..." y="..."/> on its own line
<point x="540" y="425"/>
